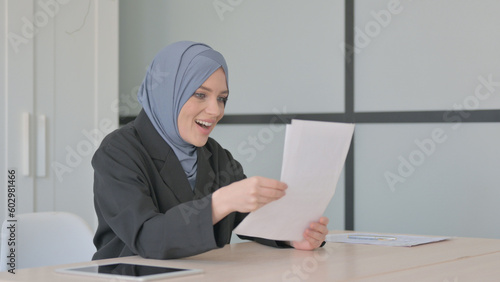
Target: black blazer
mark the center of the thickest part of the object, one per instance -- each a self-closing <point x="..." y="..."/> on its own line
<point x="143" y="200"/>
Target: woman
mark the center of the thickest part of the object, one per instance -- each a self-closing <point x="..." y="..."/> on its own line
<point x="164" y="189"/>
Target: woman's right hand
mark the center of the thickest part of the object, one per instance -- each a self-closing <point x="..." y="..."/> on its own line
<point x="246" y="195"/>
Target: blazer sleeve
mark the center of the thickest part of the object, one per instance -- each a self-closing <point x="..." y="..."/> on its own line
<point x="124" y="202"/>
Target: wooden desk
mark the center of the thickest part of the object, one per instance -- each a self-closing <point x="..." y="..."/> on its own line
<point x="459" y="259"/>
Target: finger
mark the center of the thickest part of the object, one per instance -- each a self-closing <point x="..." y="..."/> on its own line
<point x="265" y="198"/>
<point x="271" y="193"/>
<point x="316" y="236"/>
<point x="314" y="242"/>
<point x="318" y="227"/>
<point x="262" y="200"/>
<point x="272" y="183"/>
<point x="324" y="220"/>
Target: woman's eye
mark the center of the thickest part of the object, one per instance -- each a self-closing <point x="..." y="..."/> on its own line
<point x="199" y="95"/>
<point x="222" y="99"/>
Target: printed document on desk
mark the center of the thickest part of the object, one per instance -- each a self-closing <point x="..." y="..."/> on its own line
<point x="395" y="240"/>
<point x="313" y="159"/>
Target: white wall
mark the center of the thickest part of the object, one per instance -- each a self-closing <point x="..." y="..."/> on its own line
<point x="426" y="55"/>
<point x="449" y="179"/>
<point x="438" y="178"/>
<point x="282" y="55"/>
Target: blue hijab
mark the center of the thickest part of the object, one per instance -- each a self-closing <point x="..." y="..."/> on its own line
<point x="175" y="74"/>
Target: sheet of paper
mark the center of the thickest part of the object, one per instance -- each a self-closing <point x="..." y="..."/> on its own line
<point x="314" y="155"/>
<point x="382" y="239"/>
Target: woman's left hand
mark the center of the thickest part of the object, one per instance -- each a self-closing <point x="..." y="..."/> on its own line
<point x="313" y="236"/>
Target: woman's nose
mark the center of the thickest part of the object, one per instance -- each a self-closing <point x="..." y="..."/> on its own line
<point x="214" y="107"/>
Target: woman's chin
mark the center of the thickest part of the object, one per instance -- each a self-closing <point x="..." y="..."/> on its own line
<point x="200" y="142"/>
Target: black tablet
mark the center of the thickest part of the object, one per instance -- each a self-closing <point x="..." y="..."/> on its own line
<point x="133" y="272"/>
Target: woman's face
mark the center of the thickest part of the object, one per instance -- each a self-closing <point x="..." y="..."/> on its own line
<point x="203" y="110"/>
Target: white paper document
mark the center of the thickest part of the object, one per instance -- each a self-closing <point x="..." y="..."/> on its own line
<point x="383" y="239"/>
<point x="313" y="158"/>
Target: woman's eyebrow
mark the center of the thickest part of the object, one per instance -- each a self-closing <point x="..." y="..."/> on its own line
<point x="210" y="90"/>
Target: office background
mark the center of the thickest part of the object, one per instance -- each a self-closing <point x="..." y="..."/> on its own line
<point x="420" y="79"/>
<point x="424" y="157"/>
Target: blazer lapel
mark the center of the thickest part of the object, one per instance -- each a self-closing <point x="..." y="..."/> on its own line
<point x="171" y="172"/>
<point x="175" y="178"/>
<point x="205" y="175"/>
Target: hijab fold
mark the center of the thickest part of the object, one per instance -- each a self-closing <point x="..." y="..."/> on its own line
<point x="175" y="74"/>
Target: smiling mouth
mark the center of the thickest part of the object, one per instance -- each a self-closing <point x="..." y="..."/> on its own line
<point x="204" y="124"/>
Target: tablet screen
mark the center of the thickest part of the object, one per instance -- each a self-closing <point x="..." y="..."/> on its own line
<point x="130" y="271"/>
